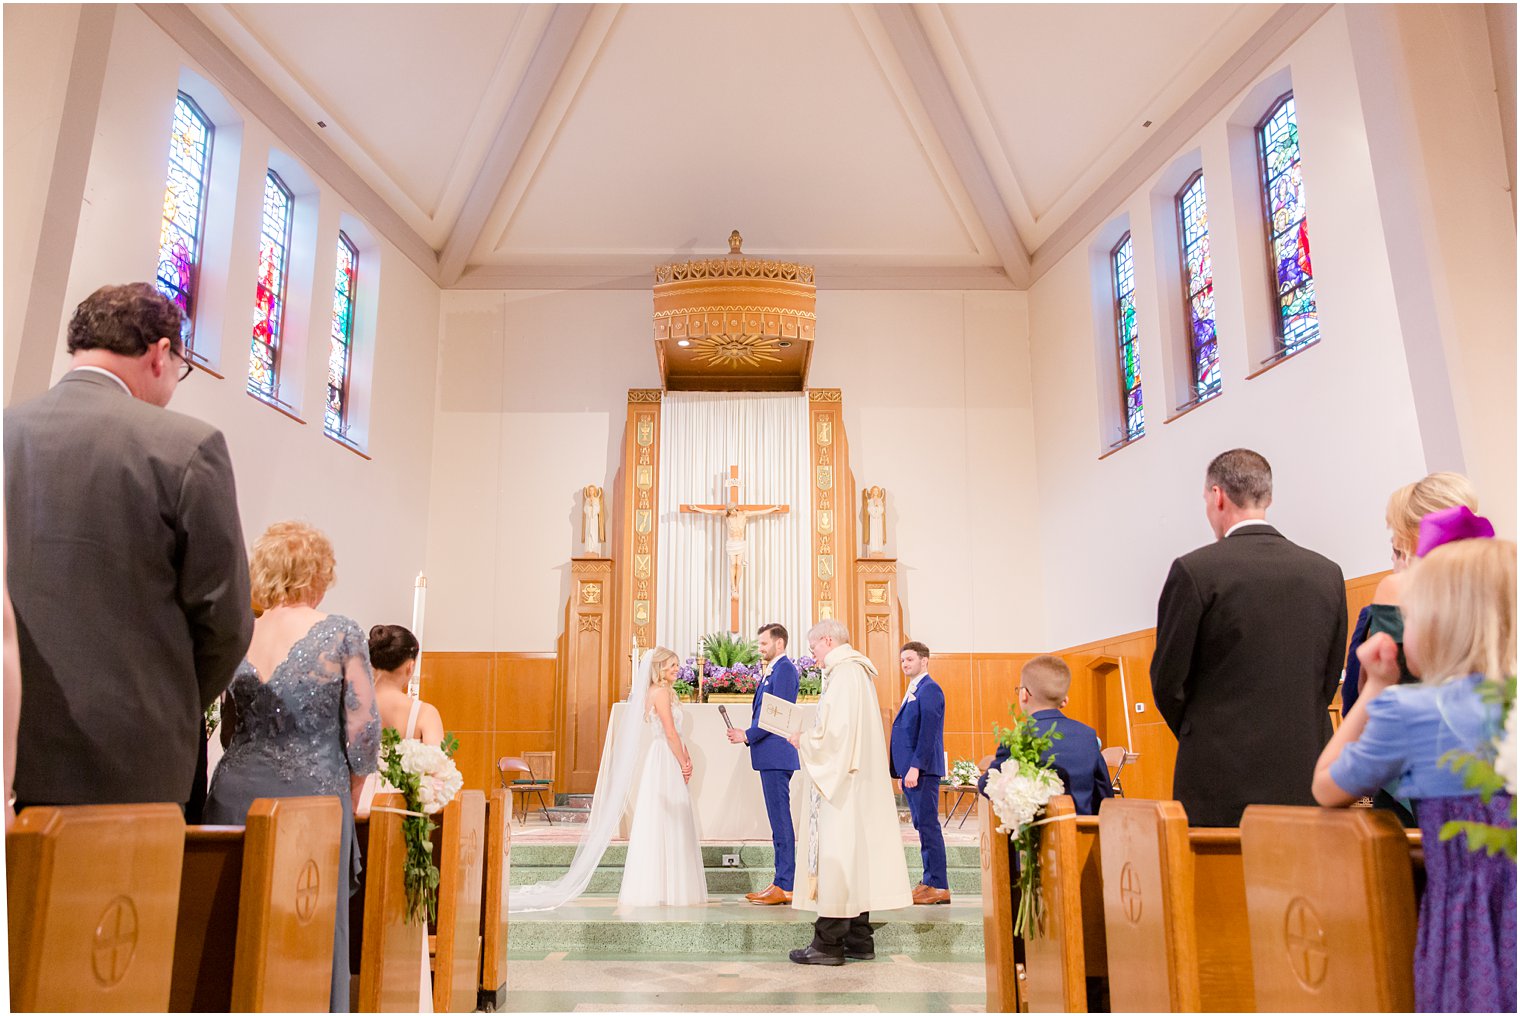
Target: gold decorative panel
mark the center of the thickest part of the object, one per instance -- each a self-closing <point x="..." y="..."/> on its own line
<point x="591" y="592"/>
<point x="833" y="530"/>
<point x="876" y="593"/>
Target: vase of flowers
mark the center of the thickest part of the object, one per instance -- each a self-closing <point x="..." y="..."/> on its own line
<point x="964" y="773"/>
<point x="427" y="777"/>
<point x="1019" y="792"/>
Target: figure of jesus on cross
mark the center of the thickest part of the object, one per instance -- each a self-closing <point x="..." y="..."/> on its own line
<point x="735" y="517"/>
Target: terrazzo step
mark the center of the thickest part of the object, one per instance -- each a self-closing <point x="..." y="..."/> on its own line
<point x="732" y="926"/>
<point x="565" y="815"/>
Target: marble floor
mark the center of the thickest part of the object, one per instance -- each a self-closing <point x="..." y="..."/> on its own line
<point x="901" y="978"/>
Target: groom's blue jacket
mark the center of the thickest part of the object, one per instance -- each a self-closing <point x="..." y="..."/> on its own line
<point x="766" y="750"/>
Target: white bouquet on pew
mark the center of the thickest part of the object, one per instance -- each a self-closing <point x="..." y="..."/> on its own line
<point x="427" y="777"/>
<point x="1019" y="791"/>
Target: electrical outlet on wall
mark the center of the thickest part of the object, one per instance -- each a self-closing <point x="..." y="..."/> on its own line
<point x="1139" y="707"/>
<point x="730" y="860"/>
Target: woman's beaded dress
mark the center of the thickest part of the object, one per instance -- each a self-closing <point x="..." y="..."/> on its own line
<point x="302" y="733"/>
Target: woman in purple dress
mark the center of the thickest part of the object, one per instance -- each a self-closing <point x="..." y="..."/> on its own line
<point x="1459" y="638"/>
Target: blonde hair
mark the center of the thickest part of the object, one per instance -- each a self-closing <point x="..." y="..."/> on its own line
<point x="291" y="563"/>
<point x="659" y="656"/>
<point x="1048" y="678"/>
<point x="1413" y="501"/>
<point x="1459" y="610"/>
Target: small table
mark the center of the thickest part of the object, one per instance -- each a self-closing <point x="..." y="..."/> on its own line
<point x="964" y="792"/>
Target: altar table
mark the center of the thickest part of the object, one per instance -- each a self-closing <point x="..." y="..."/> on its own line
<point x="729" y="803"/>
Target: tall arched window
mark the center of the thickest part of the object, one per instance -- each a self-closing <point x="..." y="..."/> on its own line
<point x="1287" y="228"/>
<point x="269" y="296"/>
<point x="179" y="237"/>
<point x="1198" y="288"/>
<point x="340" y="355"/>
<point x="1126" y="331"/>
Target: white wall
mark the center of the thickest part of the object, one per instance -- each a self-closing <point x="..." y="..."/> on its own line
<point x="1343" y="423"/>
<point x="375" y="510"/>
<point x="531" y="404"/>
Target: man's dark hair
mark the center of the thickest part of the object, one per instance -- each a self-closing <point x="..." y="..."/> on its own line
<point x="390" y="646"/>
<point x="126" y="320"/>
<point x="777" y="632"/>
<point x="917" y="647"/>
<point x="1244" y="476"/>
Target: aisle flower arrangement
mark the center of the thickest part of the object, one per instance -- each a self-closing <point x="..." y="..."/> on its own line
<point x="427" y="777"/>
<point x="1019" y="792"/>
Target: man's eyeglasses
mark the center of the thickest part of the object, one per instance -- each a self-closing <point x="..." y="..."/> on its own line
<point x="188" y="367"/>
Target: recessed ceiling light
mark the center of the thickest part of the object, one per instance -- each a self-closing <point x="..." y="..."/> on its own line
<point x="683" y="343"/>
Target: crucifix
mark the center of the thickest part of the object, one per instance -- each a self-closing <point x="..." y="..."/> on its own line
<point x="735" y="516"/>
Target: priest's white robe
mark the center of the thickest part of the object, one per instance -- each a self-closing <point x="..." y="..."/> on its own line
<point x="861" y="865"/>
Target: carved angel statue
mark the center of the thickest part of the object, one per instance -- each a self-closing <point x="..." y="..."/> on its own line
<point x="593" y="523"/>
<point x="875" y="499"/>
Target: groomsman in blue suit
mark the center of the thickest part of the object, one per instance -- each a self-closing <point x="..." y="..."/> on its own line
<point x="775" y="760"/>
<point x="918" y="759"/>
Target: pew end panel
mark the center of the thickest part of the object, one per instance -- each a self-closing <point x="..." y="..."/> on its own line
<point x="1226" y="972"/>
<point x="290" y="894"/>
<point x="1332" y="909"/>
<point x="456" y="971"/>
<point x="494" y="890"/>
<point x="391" y="953"/>
<point x="1072" y="947"/>
<point x="93" y="895"/>
<point x="1000" y="962"/>
<point x="1148" y="906"/>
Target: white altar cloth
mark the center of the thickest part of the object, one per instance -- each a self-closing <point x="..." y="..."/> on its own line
<point x="725" y="788"/>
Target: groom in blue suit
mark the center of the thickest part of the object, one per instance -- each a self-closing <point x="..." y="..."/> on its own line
<point x="775" y="760"/>
<point x="918" y="759"/>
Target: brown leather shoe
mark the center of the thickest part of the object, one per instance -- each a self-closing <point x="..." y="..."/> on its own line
<point x="759" y="893"/>
<point x="774" y="896"/>
<point x="926" y="895"/>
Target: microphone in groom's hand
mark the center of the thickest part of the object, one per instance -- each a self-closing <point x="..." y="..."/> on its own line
<point x="735" y="735"/>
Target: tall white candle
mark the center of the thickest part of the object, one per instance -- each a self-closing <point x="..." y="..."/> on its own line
<point x="419" y="606"/>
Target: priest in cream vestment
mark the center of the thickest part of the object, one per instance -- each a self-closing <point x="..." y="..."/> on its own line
<point x="849" y="849"/>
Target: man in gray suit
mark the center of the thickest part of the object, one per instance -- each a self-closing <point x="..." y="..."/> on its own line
<point x="126" y="564"/>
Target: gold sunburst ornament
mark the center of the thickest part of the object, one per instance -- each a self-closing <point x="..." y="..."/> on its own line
<point x="736" y="350"/>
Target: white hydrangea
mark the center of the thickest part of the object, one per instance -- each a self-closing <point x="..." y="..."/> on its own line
<point x="1504" y="762"/>
<point x="1017" y="796"/>
<point x="438" y="778"/>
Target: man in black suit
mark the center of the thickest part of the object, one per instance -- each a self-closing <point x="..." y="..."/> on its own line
<point x="1250" y="637"/>
<point x="126" y="564"/>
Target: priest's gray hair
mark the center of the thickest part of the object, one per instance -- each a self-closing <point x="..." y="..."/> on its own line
<point x="830" y="629"/>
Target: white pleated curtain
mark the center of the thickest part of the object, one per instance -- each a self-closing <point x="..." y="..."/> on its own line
<point x="766" y="436"/>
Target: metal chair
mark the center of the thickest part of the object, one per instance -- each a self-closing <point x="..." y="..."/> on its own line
<point x="531" y="785"/>
<point x="1116" y="758"/>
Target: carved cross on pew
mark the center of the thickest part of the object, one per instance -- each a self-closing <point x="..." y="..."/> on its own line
<point x="735" y="516"/>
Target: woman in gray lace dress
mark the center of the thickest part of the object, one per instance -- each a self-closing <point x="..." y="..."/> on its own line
<point x="300" y="712"/>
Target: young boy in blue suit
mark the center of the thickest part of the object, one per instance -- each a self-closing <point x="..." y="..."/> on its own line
<point x="918" y="759"/>
<point x="775" y="760"/>
<point x="1044" y="684"/>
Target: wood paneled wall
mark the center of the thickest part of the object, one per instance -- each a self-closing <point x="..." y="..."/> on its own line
<point x="496" y="704"/>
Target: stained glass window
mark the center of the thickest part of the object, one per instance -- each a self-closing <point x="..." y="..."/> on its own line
<point x="1198" y="288"/>
<point x="1127" y="331"/>
<point x="1283" y="189"/>
<point x="269" y="296"/>
<point x="341" y="352"/>
<point x="179" y="237"/>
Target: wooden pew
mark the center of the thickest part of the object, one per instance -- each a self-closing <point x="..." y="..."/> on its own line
<point x="393" y="949"/>
<point x="92" y="893"/>
<point x="997" y="915"/>
<point x="493" y="905"/>
<point x="461" y="865"/>
<point x="1173" y="901"/>
<point x="1072" y="948"/>
<point x="256" y="910"/>
<point x="1332" y="908"/>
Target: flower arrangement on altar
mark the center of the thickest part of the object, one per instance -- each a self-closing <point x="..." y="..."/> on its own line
<point x="1019" y="792"/>
<point x="427" y="777"/>
<point x="964" y="773"/>
<point x="809" y="677"/>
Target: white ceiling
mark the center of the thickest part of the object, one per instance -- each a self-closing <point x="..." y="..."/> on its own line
<point x="523" y="142"/>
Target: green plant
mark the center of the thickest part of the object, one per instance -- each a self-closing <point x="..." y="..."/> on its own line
<point x="683" y="689"/>
<point x="1018" y="792"/>
<point x="810" y="684"/>
<point x="724" y="649"/>
<point x="1480" y="773"/>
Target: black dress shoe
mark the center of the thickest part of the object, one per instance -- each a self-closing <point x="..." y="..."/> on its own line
<point x="860" y="955"/>
<point x="813" y="956"/>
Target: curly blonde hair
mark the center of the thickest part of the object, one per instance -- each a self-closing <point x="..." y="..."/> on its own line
<point x="1413" y="501"/>
<point x="291" y="563"/>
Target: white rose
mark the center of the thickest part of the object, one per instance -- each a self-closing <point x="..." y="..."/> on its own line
<point x="1504" y="762"/>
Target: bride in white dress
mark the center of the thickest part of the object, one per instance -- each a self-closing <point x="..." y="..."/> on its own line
<point x="664" y="863"/>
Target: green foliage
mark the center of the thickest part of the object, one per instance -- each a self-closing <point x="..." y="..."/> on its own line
<point x="1025" y="742"/>
<point x="418" y="870"/>
<point x="1479" y="775"/>
<point x="1027" y="746"/>
<point x="810" y="683"/>
<point x="683" y="689"/>
<point x="723" y="649"/>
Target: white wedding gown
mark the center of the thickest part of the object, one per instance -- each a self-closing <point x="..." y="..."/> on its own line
<point x="664" y="863"/>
